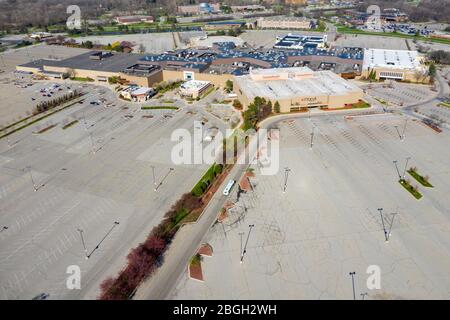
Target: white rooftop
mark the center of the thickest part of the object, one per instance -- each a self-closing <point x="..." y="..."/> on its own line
<point x="194" y="84"/>
<point x="395" y="59"/>
<point x="141" y="90"/>
<point x="292" y="84"/>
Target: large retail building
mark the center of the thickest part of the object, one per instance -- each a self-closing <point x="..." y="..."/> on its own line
<point x="296" y="88"/>
<point x="399" y="65"/>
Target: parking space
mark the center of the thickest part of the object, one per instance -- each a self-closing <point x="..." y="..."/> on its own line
<point x="307" y="240"/>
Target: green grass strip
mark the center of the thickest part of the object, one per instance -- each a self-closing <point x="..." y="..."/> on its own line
<point x="159" y="107"/>
<point x="420" y="178"/>
<point x="410" y="189"/>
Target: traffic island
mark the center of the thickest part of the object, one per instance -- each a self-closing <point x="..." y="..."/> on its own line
<point x="195" y="268"/>
<point x="423" y="180"/>
<point x="413" y="190"/>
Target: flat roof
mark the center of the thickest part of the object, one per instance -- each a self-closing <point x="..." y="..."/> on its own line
<point x="194" y="84"/>
<point x="117" y="62"/>
<point x="319" y="84"/>
<point x="396" y="59"/>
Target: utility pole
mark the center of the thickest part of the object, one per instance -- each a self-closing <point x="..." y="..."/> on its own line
<point x="246" y="242"/>
<point x="352" y="274"/>
<point x="406" y="165"/>
<point x="84" y="245"/>
<point x="286" y="176"/>
<point x="384" y="227"/>
<point x="396" y="167"/>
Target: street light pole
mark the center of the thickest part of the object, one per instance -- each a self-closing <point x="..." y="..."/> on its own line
<point x="4" y="228"/>
<point x="392" y="223"/>
<point x="246" y="242"/>
<point x="406" y="165"/>
<point x="154" y="179"/>
<point x="32" y="180"/>
<point x="84" y="245"/>
<point x="312" y="138"/>
<point x="352" y="274"/>
<point x="240" y="235"/>
<point x="382" y="222"/>
<point x="286" y="176"/>
<point x="396" y="167"/>
<point x="404" y="130"/>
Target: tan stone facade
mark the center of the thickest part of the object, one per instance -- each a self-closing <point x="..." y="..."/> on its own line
<point x="415" y="76"/>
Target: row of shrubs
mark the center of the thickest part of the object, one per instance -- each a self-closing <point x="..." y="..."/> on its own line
<point x="143" y="260"/>
<point x="53" y="103"/>
<point x="207" y="179"/>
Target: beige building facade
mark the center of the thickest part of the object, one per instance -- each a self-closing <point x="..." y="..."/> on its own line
<point x="296" y="88"/>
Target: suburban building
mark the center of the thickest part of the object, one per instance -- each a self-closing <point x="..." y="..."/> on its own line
<point x="215" y="64"/>
<point x="248" y="8"/>
<point x="127" y="20"/>
<point x="295" y="41"/>
<point x="202" y="8"/>
<point x="296" y="88"/>
<point x="194" y="88"/>
<point x="401" y="65"/>
<point x="223" y="25"/>
<point x="137" y="94"/>
<point x="283" y="22"/>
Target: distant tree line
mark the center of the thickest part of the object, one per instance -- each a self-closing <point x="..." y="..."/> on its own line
<point x="426" y="10"/>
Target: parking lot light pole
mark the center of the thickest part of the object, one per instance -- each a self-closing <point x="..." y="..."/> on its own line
<point x="352" y="274"/>
<point x="84" y="245"/>
<point x="396" y="167"/>
<point x="246" y="242"/>
<point x="398" y="132"/>
<point x="390" y="226"/>
<point x="32" y="179"/>
<point x="286" y="175"/>
<point x="384" y="227"/>
<point x="240" y="235"/>
<point x="154" y="179"/>
<point x="404" y="130"/>
<point x="406" y="165"/>
<point x="312" y="139"/>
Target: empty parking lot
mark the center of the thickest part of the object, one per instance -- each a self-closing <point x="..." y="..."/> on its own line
<point x="95" y="176"/>
<point x="306" y="241"/>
